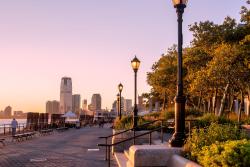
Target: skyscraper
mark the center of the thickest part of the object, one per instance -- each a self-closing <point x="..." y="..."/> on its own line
<point x="66" y="95"/>
<point x="96" y="102"/>
<point x="85" y="104"/>
<point x="52" y="107"/>
<point x="76" y="104"/>
<point x="7" y="111"/>
<point x="127" y="105"/>
<point x="141" y="106"/>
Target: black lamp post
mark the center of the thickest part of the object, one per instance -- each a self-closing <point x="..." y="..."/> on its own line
<point x="135" y="63"/>
<point x="120" y="87"/>
<point x="178" y="137"/>
<point x="118" y="104"/>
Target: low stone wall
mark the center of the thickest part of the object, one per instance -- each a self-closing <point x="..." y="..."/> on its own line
<point x="157" y="155"/>
<point x="138" y="141"/>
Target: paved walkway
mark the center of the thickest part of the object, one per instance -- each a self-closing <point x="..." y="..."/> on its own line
<point x="65" y="149"/>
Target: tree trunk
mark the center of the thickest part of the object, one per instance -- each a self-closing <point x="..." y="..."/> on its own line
<point x="215" y="100"/>
<point x="248" y="114"/>
<point x="199" y="102"/>
<point x="223" y="101"/>
<point x="210" y="104"/>
<point x="164" y="102"/>
<point x="241" y="107"/>
<point x="231" y="98"/>
<point x="231" y="105"/>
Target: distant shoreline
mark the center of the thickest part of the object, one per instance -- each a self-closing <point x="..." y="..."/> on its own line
<point x="24" y="117"/>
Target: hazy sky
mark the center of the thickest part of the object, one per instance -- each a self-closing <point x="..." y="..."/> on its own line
<point x="91" y="41"/>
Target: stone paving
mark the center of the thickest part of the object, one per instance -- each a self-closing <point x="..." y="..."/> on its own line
<point x="65" y="149"/>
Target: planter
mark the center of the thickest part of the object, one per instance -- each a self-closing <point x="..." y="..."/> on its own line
<point x="138" y="141"/>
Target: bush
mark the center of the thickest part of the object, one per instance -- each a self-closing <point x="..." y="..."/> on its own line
<point x="209" y="118"/>
<point x="207" y="136"/>
<point x="166" y="115"/>
<point x="247" y="121"/>
<point x="192" y="112"/>
<point x="226" y="154"/>
<point x="126" y="122"/>
<point x="152" y="116"/>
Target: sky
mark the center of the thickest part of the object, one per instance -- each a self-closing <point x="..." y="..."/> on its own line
<point x="91" y="41"/>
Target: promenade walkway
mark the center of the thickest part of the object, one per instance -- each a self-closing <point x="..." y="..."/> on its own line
<point x="66" y="149"/>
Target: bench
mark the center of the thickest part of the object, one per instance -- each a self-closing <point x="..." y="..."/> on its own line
<point x="2" y="141"/>
<point x="62" y="129"/>
<point x="46" y="131"/>
<point x="22" y="136"/>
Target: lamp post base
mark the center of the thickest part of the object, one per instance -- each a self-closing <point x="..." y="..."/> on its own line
<point x="177" y="139"/>
<point x="179" y="136"/>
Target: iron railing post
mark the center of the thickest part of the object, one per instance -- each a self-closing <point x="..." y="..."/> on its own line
<point x="161" y="131"/>
<point x="134" y="137"/>
<point x="109" y="155"/>
<point x="150" y="138"/>
<point x="106" y="149"/>
<point x="4" y="129"/>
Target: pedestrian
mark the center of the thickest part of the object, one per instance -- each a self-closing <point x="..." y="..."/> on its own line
<point x="14" y="125"/>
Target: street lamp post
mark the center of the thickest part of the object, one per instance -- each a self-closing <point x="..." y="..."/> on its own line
<point x="178" y="137"/>
<point x="118" y="105"/>
<point x="120" y="87"/>
<point x="135" y="63"/>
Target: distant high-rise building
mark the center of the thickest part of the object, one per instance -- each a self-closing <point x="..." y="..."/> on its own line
<point x="127" y="105"/>
<point x="122" y="104"/>
<point x="66" y="95"/>
<point x="52" y="107"/>
<point x="17" y="113"/>
<point x="90" y="107"/>
<point x="141" y="106"/>
<point x="96" y="102"/>
<point x="76" y="104"/>
<point x="7" y="111"/>
<point x="114" y="107"/>
<point x="85" y="104"/>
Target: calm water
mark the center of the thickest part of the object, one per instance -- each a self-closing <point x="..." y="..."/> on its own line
<point x="8" y="121"/>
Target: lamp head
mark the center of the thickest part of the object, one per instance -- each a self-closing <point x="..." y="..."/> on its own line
<point x="120" y="87"/>
<point x="182" y="3"/>
<point x="135" y="63"/>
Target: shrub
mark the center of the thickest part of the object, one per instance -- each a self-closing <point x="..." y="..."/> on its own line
<point x="207" y="136"/>
<point x="247" y="121"/>
<point x="192" y="112"/>
<point x="166" y="115"/>
<point x="126" y="122"/>
<point x="152" y="116"/>
<point x="226" y="154"/>
<point x="209" y="118"/>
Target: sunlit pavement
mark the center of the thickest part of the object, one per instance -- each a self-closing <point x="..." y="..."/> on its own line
<point x="65" y="149"/>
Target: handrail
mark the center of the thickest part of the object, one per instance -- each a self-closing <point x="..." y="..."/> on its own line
<point x="107" y="155"/>
<point x="148" y="123"/>
<point x="113" y="144"/>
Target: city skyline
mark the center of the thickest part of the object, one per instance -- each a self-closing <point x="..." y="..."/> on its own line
<point x="92" y="42"/>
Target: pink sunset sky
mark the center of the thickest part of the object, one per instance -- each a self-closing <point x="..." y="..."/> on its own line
<point x="91" y="41"/>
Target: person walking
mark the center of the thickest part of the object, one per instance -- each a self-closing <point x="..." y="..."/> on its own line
<point x="14" y="125"/>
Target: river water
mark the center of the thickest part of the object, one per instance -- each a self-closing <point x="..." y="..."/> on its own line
<point x="8" y="121"/>
<point x="4" y="124"/>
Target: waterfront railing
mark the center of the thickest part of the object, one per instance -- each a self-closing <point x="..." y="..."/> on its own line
<point x="6" y="129"/>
